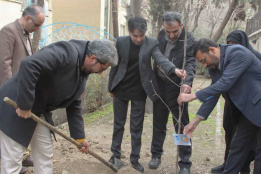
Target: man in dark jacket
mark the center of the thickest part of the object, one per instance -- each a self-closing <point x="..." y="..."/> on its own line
<point x="171" y="44"/>
<point x="236" y="74"/>
<point x="230" y="114"/>
<point x="54" y="77"/>
<point x="132" y="80"/>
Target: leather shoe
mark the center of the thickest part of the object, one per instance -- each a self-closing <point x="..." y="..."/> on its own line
<point x="137" y="166"/>
<point x="244" y="172"/>
<point x="112" y="159"/>
<point x="23" y="170"/>
<point x="184" y="170"/>
<point x="154" y="163"/>
<point x="218" y="169"/>
<point x="28" y="161"/>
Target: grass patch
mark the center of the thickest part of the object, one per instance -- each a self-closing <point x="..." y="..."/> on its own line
<point x="94" y="116"/>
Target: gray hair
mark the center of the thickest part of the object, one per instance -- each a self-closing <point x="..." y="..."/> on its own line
<point x="104" y="50"/>
<point x="32" y="11"/>
<point x="170" y="17"/>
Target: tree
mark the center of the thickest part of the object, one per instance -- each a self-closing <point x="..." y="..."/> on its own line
<point x="223" y="24"/>
<point x="214" y="14"/>
<point x="37" y="34"/>
<point x="158" y="8"/>
<point x="134" y="9"/>
<point x="115" y="24"/>
<point x="200" y="7"/>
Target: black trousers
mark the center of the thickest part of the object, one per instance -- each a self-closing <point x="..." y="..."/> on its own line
<point x="230" y="120"/>
<point x="242" y="143"/>
<point x="160" y="119"/>
<point x="120" y="108"/>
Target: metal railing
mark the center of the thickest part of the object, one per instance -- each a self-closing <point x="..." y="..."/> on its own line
<point x="69" y="30"/>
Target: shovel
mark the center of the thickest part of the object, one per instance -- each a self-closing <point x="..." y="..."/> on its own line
<point x="118" y="163"/>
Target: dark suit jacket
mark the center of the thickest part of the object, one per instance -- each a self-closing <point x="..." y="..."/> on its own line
<point x="148" y="49"/>
<point x="240" y="79"/>
<point x="47" y="80"/>
<point x="13" y="48"/>
<point x="177" y="54"/>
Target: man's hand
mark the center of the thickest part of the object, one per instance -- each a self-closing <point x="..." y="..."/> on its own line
<point x="112" y="94"/>
<point x="23" y="113"/>
<point x="186" y="98"/>
<point x="85" y="147"/>
<point x="180" y="73"/>
<point x="186" y="88"/>
<point x="189" y="129"/>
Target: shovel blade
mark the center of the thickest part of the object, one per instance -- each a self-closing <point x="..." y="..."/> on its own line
<point x="119" y="163"/>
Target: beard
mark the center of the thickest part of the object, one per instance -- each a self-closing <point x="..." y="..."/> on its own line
<point x="215" y="63"/>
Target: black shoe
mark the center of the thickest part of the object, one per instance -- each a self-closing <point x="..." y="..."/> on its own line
<point x="28" y="161"/>
<point x="23" y="170"/>
<point x="184" y="170"/>
<point x="218" y="169"/>
<point x="137" y="166"/>
<point x="112" y="159"/>
<point x="154" y="163"/>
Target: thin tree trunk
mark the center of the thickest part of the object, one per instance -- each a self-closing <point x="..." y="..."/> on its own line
<point x="37" y="34"/>
<point x="197" y="16"/>
<point x="137" y="7"/>
<point x="186" y="17"/>
<point x="134" y="9"/>
<point x="214" y="23"/>
<point x="159" y="25"/>
<point x="223" y="24"/>
<point x="115" y="18"/>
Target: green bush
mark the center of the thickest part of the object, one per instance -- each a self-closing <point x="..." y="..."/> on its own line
<point x="96" y="93"/>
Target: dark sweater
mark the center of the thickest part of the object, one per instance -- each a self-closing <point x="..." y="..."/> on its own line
<point x="130" y="88"/>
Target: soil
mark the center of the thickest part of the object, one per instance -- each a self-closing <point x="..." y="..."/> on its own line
<point x="208" y="147"/>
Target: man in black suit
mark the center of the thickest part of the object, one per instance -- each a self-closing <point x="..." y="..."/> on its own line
<point x="132" y="80"/>
<point x="235" y="74"/>
<point x="171" y="44"/>
<point x="55" y="77"/>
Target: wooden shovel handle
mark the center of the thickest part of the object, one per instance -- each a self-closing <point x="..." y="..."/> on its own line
<point x="73" y="141"/>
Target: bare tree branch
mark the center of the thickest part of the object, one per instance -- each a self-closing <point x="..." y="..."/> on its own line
<point x="198" y="12"/>
<point x="223" y="24"/>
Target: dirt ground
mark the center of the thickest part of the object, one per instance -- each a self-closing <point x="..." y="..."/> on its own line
<point x="208" y="145"/>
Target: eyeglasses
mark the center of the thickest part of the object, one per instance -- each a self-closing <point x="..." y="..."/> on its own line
<point x="103" y="68"/>
<point x="35" y="24"/>
<point x="203" y="60"/>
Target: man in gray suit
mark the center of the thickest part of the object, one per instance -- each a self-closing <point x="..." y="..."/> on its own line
<point x="132" y="80"/>
<point x="236" y="74"/>
<point x="15" y="45"/>
<point x="54" y="77"/>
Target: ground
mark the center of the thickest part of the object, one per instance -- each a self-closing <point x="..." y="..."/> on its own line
<point x="208" y="144"/>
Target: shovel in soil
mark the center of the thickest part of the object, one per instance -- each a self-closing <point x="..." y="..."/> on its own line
<point x="115" y="167"/>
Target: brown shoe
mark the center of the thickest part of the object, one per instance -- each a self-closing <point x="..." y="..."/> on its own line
<point x="23" y="170"/>
<point x="28" y="162"/>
